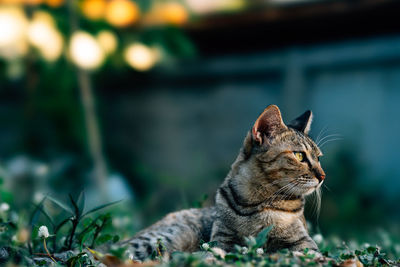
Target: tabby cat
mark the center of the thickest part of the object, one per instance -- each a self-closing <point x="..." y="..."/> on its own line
<point x="276" y="168"/>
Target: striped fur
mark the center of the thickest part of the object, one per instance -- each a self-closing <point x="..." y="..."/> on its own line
<point x="266" y="185"/>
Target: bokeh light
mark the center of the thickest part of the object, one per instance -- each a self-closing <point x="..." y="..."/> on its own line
<point x="174" y="13"/>
<point x="212" y="6"/>
<point x="140" y="56"/>
<point x="122" y="13"/>
<point x="108" y="41"/>
<point x="13" y="24"/>
<point x="43" y="35"/>
<point x="93" y="9"/>
<point x="33" y="2"/>
<point x="85" y="51"/>
<point x="55" y="3"/>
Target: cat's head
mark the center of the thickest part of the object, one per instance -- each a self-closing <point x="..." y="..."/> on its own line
<point x="284" y="154"/>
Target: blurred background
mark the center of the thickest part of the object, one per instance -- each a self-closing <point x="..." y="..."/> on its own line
<point x="149" y="101"/>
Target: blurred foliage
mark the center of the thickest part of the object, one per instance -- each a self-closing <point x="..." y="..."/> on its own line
<point x="84" y="238"/>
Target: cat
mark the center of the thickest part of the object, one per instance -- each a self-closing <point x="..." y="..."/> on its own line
<point x="277" y="166"/>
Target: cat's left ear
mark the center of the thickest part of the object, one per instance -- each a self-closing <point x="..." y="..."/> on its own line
<point x="268" y="124"/>
<point x="303" y="122"/>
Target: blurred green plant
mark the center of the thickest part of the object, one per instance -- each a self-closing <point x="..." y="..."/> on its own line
<point x="91" y="227"/>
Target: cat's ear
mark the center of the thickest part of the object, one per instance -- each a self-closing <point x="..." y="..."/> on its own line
<point x="303" y="122"/>
<point x="268" y="124"/>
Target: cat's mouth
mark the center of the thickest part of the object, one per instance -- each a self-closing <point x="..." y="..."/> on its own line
<point x="307" y="185"/>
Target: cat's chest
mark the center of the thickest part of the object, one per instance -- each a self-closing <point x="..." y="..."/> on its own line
<point x="279" y="219"/>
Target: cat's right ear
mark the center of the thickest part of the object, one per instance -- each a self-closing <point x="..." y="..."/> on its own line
<point x="268" y="124"/>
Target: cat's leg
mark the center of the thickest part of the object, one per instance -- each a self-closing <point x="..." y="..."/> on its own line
<point x="224" y="236"/>
<point x="294" y="237"/>
<point x="178" y="231"/>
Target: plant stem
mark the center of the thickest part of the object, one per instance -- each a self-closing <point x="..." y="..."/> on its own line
<point x="71" y="236"/>
<point x="48" y="253"/>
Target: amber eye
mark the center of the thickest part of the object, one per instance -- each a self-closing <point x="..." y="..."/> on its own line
<point x="300" y="156"/>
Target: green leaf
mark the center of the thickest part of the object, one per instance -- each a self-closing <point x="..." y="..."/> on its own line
<point x="85" y="237"/>
<point x="103" y="239"/>
<point x="87" y="221"/>
<point x="118" y="251"/>
<point x="251" y="241"/>
<point x="61" y="205"/>
<point x="41" y="209"/>
<point x="35" y="214"/>
<point x="88" y="228"/>
<point x="58" y="227"/>
<point x="212" y="244"/>
<point x="100" y="207"/>
<point x="81" y="201"/>
<point x="116" y="238"/>
<point x="231" y="257"/>
<point x="346" y="256"/>
<point x="73" y="260"/>
<point x="262" y="236"/>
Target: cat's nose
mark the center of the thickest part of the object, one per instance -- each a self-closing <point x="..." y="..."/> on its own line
<point x="320" y="174"/>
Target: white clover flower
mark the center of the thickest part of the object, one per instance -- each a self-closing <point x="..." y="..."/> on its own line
<point x="259" y="251"/>
<point x="4" y="207"/>
<point x="205" y="246"/>
<point x="43" y="232"/>
<point x="318" y="238"/>
<point x="245" y="250"/>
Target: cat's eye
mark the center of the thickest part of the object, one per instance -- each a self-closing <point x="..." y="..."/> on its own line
<point x="300" y="156"/>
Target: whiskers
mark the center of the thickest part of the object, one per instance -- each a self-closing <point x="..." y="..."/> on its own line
<point x="322" y="140"/>
<point x="316" y="202"/>
<point x="283" y="193"/>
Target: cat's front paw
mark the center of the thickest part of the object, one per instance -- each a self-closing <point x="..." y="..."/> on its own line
<point x="214" y="255"/>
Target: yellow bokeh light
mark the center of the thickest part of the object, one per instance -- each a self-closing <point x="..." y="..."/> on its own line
<point x="108" y="41"/>
<point x="174" y="13"/>
<point x="33" y="2"/>
<point x="43" y="35"/>
<point x="140" y="56"/>
<point x="55" y="3"/>
<point x="53" y="50"/>
<point x="13" y="25"/>
<point x="212" y="6"/>
<point x="12" y="2"/>
<point x="94" y="9"/>
<point x="122" y="13"/>
<point x="85" y="51"/>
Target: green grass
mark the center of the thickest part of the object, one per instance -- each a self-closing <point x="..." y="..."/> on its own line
<point x="80" y="237"/>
